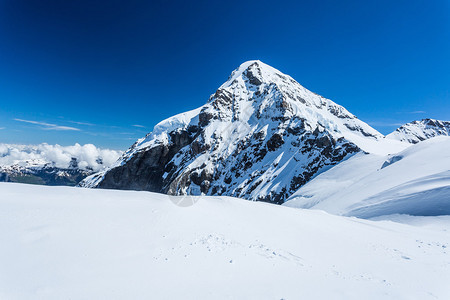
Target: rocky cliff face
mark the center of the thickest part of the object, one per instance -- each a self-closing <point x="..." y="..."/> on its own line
<point x="260" y="136"/>
<point x="417" y="131"/>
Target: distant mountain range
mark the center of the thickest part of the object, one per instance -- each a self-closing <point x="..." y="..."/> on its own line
<point x="261" y="136"/>
<point x="52" y="164"/>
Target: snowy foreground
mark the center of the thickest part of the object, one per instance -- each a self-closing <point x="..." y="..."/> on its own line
<point x="73" y="243"/>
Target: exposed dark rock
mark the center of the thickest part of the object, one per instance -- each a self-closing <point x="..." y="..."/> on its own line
<point x="204" y="186"/>
<point x="73" y="163"/>
<point x="251" y="77"/>
<point x="145" y="169"/>
<point x="275" y="142"/>
<point x="359" y="129"/>
<point x="204" y="118"/>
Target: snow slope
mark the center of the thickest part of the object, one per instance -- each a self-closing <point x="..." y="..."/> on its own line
<point x="72" y="243"/>
<point x="415" y="181"/>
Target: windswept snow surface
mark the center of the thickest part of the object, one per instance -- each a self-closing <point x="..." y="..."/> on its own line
<point x="71" y="243"/>
<point x="415" y="181"/>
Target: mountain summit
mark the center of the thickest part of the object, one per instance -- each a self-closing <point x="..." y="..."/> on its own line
<point x="418" y="131"/>
<point x="260" y="136"/>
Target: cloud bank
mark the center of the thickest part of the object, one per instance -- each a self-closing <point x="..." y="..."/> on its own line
<point x="88" y="156"/>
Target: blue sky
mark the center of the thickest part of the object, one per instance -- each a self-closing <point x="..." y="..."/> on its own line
<point x="105" y="72"/>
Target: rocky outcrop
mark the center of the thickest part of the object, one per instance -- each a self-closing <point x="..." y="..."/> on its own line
<point x="145" y="169"/>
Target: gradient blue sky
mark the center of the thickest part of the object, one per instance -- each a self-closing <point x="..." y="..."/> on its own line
<point x="88" y="71"/>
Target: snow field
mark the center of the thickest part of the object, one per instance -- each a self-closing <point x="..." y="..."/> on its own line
<point x="73" y="243"/>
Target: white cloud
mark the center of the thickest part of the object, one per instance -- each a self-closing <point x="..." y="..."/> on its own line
<point x="139" y="126"/>
<point x="48" y="126"/>
<point x="88" y="156"/>
<point x="385" y="124"/>
<point x="2" y="128"/>
<point x="82" y="123"/>
<point x="411" y="112"/>
<point x="57" y="127"/>
<point x="418" y="112"/>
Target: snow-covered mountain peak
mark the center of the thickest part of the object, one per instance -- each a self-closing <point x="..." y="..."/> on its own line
<point x="258" y="93"/>
<point x="417" y="131"/>
<point x="255" y="77"/>
<point x="260" y="136"/>
<point x="255" y="72"/>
